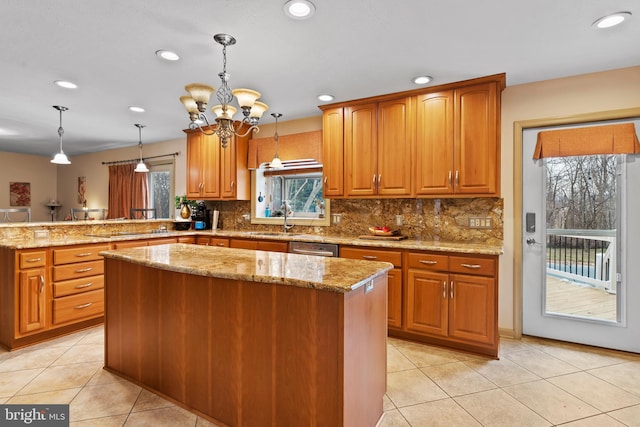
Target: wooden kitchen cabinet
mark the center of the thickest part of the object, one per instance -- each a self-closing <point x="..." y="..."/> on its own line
<point x="457" y="140"/>
<point x="394" y="288"/>
<point x="453" y="300"/>
<point x="32" y="309"/>
<point x="216" y="173"/>
<point x="78" y="282"/>
<point x="378" y="140"/>
<point x="260" y="245"/>
<point x="333" y="152"/>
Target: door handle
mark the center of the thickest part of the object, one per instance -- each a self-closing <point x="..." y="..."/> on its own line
<point x="531" y="241"/>
<point x="444" y="289"/>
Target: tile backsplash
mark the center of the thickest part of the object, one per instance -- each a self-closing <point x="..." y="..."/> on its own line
<point x="422" y="219"/>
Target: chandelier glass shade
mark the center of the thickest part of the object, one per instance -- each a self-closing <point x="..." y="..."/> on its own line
<point x="60" y="158"/>
<point x="141" y="166"/>
<point x="225" y="127"/>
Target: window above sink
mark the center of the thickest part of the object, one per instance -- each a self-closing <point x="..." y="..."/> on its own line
<point x="299" y="182"/>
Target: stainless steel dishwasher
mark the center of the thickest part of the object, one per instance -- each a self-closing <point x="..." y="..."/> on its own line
<point x="317" y="249"/>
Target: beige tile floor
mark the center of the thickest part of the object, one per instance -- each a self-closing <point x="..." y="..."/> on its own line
<point x="535" y="383"/>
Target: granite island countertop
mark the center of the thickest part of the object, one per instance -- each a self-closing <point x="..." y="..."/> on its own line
<point x="330" y="274"/>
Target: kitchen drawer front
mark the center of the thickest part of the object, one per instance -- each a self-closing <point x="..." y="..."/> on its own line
<point x="216" y="241"/>
<point x="78" y="254"/>
<point x="393" y="257"/>
<point x="472" y="265"/>
<point x="76" y="307"/>
<point x="78" y="270"/>
<point x="32" y="259"/>
<point x="427" y="261"/>
<point x="163" y="241"/>
<point x="77" y="286"/>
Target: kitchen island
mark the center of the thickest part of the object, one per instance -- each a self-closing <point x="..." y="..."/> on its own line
<point x="248" y="338"/>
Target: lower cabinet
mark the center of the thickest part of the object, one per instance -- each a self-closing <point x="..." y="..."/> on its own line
<point x="260" y="245"/>
<point x="453" y="300"/>
<point x="32" y="300"/>
<point x="394" y="289"/>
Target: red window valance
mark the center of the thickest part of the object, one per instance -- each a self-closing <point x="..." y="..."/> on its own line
<point x="609" y="139"/>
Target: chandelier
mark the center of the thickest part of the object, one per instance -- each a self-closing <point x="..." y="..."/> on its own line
<point x="225" y="127"/>
<point x="60" y="158"/>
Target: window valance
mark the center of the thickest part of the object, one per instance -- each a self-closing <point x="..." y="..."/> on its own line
<point x="608" y="139"/>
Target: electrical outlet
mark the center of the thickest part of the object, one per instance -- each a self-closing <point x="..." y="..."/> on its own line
<point x="480" y="222"/>
<point x="336" y="219"/>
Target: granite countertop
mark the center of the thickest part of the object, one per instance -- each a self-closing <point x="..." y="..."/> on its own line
<point x="330" y="274"/>
<point x="23" y="237"/>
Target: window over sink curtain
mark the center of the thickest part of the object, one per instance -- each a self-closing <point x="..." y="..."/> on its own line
<point x="127" y="189"/>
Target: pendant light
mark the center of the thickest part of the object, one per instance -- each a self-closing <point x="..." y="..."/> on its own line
<point x="140" y="167"/>
<point x="60" y="158"/>
<point x="276" y="162"/>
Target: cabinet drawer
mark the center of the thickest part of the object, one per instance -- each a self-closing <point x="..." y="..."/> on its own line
<point x="392" y="257"/>
<point x="163" y="241"/>
<point x="78" y="254"/>
<point x="75" y="307"/>
<point x="76" y="286"/>
<point x="80" y="269"/>
<point x="425" y="261"/>
<point x="222" y="243"/>
<point x="472" y="265"/>
<point x="33" y="259"/>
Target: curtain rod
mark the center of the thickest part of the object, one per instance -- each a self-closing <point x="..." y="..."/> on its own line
<point x="118" y="162"/>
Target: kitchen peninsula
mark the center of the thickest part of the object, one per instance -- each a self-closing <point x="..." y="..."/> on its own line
<point x="248" y="337"/>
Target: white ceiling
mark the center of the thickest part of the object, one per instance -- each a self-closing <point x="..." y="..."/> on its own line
<point x="349" y="48"/>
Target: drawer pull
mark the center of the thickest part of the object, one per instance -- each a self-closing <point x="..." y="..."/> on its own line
<point x="86" y="285"/>
<point x="474" y="266"/>
<point x="34" y="259"/>
<point x="451" y="290"/>
<point x="81" y="306"/>
<point x="41" y="284"/>
<point x="84" y="254"/>
<point x="222" y="245"/>
<point x="444" y="289"/>
<point x="427" y="261"/>
<point x="369" y="257"/>
<point x="84" y="270"/>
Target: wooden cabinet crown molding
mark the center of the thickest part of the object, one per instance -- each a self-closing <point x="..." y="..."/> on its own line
<point x="499" y="78"/>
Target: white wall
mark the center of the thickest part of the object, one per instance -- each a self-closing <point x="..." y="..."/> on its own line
<point x="36" y="170"/>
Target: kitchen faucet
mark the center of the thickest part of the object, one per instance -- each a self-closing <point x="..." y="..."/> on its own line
<point x="286" y="209"/>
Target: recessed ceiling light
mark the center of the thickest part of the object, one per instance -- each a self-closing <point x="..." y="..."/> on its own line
<point x="611" y="20"/>
<point x="167" y="54"/>
<point x="136" y="109"/>
<point x="421" y="80"/>
<point x="299" y="9"/>
<point x="325" y="97"/>
<point x="65" y="84"/>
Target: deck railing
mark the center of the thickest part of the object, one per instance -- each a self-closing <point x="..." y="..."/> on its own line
<point x="585" y="256"/>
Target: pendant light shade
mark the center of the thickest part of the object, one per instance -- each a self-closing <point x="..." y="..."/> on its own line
<point x="141" y="166"/>
<point x="60" y="158"/>
<point x="276" y="162"/>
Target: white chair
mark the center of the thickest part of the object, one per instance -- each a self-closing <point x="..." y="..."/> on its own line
<point x="23" y="214"/>
<point x="80" y="213"/>
<point x="139" y="213"/>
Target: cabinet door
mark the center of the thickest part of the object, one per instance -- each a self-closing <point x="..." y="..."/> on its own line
<point x="473" y="308"/>
<point x="243" y="244"/>
<point x="210" y="167"/>
<point x="32" y="311"/>
<point x="434" y="143"/>
<point x="271" y="246"/>
<point x="427" y="302"/>
<point x="395" y="147"/>
<point x="333" y="152"/>
<point x="360" y="141"/>
<point x="228" y="170"/>
<point x="476" y="149"/>
<point x="194" y="164"/>
<point x="394" y="298"/>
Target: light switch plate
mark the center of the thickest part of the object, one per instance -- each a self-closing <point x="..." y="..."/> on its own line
<point x="481" y="222"/>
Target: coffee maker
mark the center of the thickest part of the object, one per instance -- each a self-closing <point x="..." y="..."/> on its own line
<point x="201" y="217"/>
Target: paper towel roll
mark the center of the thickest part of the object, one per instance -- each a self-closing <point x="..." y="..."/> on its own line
<point x="214" y="224"/>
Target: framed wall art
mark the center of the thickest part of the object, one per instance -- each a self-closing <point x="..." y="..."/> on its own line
<point x="19" y="193"/>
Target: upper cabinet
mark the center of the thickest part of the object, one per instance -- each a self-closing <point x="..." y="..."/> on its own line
<point x="216" y="173"/>
<point x="435" y="142"/>
<point x="378" y="140"/>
